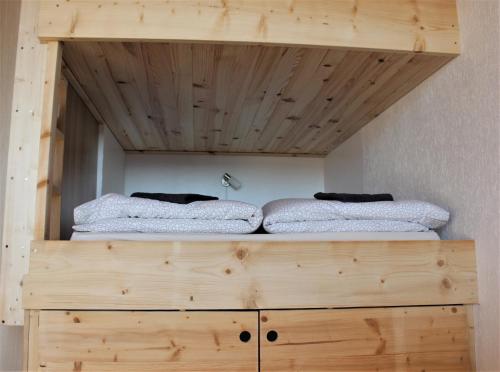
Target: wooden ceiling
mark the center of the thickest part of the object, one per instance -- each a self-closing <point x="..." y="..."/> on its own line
<point x="183" y="97"/>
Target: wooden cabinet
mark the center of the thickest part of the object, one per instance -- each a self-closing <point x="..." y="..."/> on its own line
<point x="376" y="339"/>
<point x="144" y="341"/>
<point x="365" y="339"/>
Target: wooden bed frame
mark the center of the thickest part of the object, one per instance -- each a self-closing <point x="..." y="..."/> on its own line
<point x="271" y="306"/>
<point x="185" y="306"/>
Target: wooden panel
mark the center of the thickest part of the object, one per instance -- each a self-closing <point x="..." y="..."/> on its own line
<point x="80" y="160"/>
<point x="50" y="111"/>
<point x="10" y="337"/>
<point x="9" y="26"/>
<point x="248" y="275"/>
<point x="240" y="99"/>
<point x="22" y="168"/>
<point x="147" y="341"/>
<point x="387" y="339"/>
<point x="405" y="25"/>
<point x="469" y="309"/>
<point x="57" y="164"/>
<point x="31" y="341"/>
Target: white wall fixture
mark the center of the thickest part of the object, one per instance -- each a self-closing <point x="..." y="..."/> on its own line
<point x="230" y="181"/>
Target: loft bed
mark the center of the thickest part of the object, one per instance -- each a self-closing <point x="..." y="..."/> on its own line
<point x="294" y="78"/>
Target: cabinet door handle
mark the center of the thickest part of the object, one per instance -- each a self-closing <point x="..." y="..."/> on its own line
<point x="272" y="336"/>
<point x="245" y="336"/>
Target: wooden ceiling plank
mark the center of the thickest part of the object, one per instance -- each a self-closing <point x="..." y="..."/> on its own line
<point x="390" y="91"/>
<point x="107" y="89"/>
<point x="222" y="89"/>
<point x="241" y="79"/>
<point x="265" y="66"/>
<point x="347" y="92"/>
<point x="284" y="71"/>
<point x="182" y="64"/>
<point x="371" y="88"/>
<point x="309" y="94"/>
<point x="205" y="59"/>
<point x="84" y="75"/>
<point x="83" y="72"/>
<point x="302" y="88"/>
<point x="416" y="71"/>
<point x="163" y="124"/>
<point x="335" y="86"/>
<point x="159" y="67"/>
<point x="125" y="61"/>
<point x="75" y="84"/>
<point x="248" y="99"/>
<point x="382" y="90"/>
<point x="382" y="67"/>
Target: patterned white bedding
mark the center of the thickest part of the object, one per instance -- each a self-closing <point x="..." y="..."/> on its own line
<point x="118" y="213"/>
<point x="311" y="215"/>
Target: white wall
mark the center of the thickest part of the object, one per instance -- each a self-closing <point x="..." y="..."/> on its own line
<point x="11" y="344"/>
<point x="110" y="164"/>
<point x="263" y="178"/>
<point x="441" y="143"/>
<point x="344" y="167"/>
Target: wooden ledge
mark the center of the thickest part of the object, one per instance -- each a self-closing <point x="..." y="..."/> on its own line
<point x="248" y="275"/>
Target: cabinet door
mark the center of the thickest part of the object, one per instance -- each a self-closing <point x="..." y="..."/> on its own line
<point x="147" y="341"/>
<point x="384" y="339"/>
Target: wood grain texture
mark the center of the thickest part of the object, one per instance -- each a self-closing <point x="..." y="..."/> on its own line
<point x="31" y="341"/>
<point x="79" y="180"/>
<point x="469" y="310"/>
<point x="10" y="347"/>
<point x="22" y="168"/>
<point x="240" y="99"/>
<point x="57" y="165"/>
<point x="147" y="341"/>
<point x="248" y="275"/>
<point x="385" y="339"/>
<point x="9" y="25"/>
<point x="429" y="26"/>
<point x="48" y="132"/>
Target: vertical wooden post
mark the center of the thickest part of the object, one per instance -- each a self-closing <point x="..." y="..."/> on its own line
<point x="48" y="136"/>
<point x="22" y="165"/>
<point x="56" y="169"/>
<point x="472" y="339"/>
<point x="31" y="321"/>
<point x="49" y="171"/>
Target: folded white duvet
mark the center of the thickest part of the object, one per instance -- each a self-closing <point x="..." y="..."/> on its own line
<point x="311" y="215"/>
<point x="118" y="213"/>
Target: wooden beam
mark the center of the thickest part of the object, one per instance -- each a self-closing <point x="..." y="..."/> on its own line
<point x="22" y="168"/>
<point x="75" y="84"/>
<point x="248" y="275"/>
<point x="429" y="26"/>
<point x="48" y="135"/>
